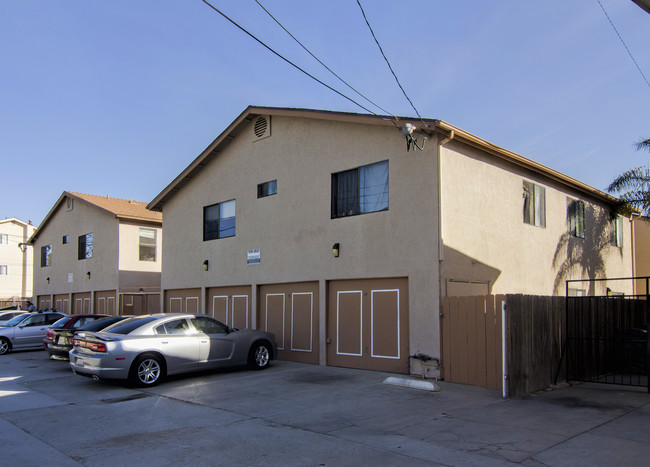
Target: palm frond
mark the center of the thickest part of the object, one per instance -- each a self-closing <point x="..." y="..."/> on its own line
<point x="643" y="144"/>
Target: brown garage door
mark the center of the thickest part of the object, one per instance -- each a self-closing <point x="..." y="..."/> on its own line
<point x="367" y="324"/>
<point x="230" y="305"/>
<point x="81" y="302"/>
<point x="62" y="303"/>
<point x="183" y="301"/>
<point x="290" y="311"/>
<point x="44" y="302"/>
<point x="105" y="302"/>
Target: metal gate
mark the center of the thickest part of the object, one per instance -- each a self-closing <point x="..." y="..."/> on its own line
<point x="607" y="339"/>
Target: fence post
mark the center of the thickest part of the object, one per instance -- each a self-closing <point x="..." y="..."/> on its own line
<point x="504" y="348"/>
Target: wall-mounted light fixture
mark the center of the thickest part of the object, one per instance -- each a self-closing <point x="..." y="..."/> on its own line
<point x="335" y="250"/>
<point x="88" y="274"/>
<point x="47" y="280"/>
<point x="206" y="264"/>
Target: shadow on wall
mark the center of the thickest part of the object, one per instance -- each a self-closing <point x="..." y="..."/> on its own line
<point x="465" y="272"/>
<point x="581" y="252"/>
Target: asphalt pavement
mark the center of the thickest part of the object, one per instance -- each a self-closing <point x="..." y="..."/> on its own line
<point x="306" y="415"/>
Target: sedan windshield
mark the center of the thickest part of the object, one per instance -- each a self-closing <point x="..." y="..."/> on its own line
<point x="60" y="323"/>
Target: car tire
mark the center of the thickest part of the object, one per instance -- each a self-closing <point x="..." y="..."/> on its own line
<point x="147" y="370"/>
<point x="5" y="345"/>
<point x="259" y="356"/>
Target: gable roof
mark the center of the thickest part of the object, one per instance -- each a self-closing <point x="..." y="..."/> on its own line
<point x="431" y="126"/>
<point x="121" y="209"/>
<point x="17" y="221"/>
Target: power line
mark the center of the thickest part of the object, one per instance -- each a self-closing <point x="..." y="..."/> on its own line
<point x="286" y="59"/>
<point x="624" y="44"/>
<point x="387" y="62"/>
<point x="319" y="61"/>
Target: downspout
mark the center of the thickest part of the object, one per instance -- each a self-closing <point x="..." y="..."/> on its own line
<point x="440" y="145"/>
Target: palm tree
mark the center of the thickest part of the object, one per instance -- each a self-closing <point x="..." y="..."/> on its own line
<point x="634" y="186"/>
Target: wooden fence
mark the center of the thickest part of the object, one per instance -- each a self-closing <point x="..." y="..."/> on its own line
<point x="472" y="343"/>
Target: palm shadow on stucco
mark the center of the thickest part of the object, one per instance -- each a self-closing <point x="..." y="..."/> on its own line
<point x="584" y="257"/>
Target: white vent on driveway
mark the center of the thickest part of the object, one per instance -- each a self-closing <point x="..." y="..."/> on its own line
<point x="262" y="127"/>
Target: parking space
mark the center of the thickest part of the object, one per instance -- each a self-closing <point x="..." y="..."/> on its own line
<point x="300" y="414"/>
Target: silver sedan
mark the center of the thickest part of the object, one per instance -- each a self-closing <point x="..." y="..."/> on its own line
<point x="145" y="349"/>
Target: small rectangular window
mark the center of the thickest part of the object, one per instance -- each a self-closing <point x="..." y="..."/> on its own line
<point x="4" y="239"/>
<point x="3" y="270"/>
<point x="576" y="217"/>
<point x="534" y="204"/>
<point x="616" y="232"/>
<point x="86" y="245"/>
<point x="46" y="256"/>
<point x="267" y="189"/>
<point x="147" y="248"/>
<point x="219" y="220"/>
<point x="66" y="239"/>
<point x="360" y="191"/>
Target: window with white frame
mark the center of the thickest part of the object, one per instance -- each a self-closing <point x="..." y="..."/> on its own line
<point x="46" y="256"/>
<point x="147" y="250"/>
<point x="4" y="239"/>
<point x="219" y="220"/>
<point x="534" y="204"/>
<point x="3" y="270"/>
<point x="85" y="246"/>
<point x="576" y="217"/>
<point x="361" y="190"/>
<point x="616" y="232"/>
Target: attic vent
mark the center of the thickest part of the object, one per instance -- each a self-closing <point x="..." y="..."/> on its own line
<point x="69" y="204"/>
<point x="262" y="127"/>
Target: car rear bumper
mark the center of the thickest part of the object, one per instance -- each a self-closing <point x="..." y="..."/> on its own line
<point x="101" y="366"/>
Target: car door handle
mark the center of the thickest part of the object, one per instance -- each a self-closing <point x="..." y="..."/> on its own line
<point x="204" y="342"/>
<point x="164" y="342"/>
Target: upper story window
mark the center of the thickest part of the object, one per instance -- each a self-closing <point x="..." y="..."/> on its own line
<point x="576" y="217"/>
<point x="267" y="189"/>
<point x="4" y="239"/>
<point x="46" y="256"/>
<point x="219" y="220"/>
<point x="3" y="270"/>
<point x="86" y="244"/>
<point x="534" y="204"/>
<point x="616" y="232"/>
<point x="147" y="244"/>
<point x="66" y="239"/>
<point x="360" y="191"/>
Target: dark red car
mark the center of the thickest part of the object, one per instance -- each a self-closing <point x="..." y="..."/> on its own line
<point x="68" y="322"/>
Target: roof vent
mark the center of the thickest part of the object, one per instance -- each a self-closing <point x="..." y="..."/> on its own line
<point x="262" y="127"/>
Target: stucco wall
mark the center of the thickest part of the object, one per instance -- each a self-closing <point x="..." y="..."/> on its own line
<point x="129" y="241"/>
<point x="486" y="239"/>
<point x="81" y="220"/>
<point x="641" y="251"/>
<point x="294" y="230"/>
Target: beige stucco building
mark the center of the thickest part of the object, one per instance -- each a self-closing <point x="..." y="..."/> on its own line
<point x="324" y="229"/>
<point x="98" y="254"/>
<point x="15" y="261"/>
<point x="641" y="252"/>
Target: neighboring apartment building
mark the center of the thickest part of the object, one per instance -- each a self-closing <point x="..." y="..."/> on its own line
<point x="98" y="254"/>
<point x="324" y="229"/>
<point x="15" y="261"/>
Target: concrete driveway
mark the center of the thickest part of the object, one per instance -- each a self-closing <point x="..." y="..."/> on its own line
<point x="295" y="414"/>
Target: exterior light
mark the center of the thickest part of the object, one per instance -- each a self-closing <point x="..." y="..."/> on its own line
<point x="335" y="250"/>
<point x="47" y="280"/>
<point x="88" y="274"/>
<point x="205" y="265"/>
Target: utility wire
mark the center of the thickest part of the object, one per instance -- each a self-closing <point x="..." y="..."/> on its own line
<point x="387" y="62"/>
<point x="624" y="44"/>
<point x="319" y="61"/>
<point x="286" y="59"/>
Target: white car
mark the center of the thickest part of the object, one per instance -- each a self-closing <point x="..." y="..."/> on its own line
<point x="7" y="315"/>
<point x="26" y="331"/>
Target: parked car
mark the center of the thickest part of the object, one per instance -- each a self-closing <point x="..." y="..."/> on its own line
<point x="145" y="349"/>
<point x="7" y="315"/>
<point x="68" y="321"/>
<point x="26" y="331"/>
<point x="63" y="337"/>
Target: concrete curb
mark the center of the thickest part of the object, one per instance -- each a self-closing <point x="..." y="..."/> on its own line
<point x="412" y="383"/>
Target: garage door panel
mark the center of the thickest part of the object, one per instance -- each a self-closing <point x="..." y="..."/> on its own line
<point x="302" y="322"/>
<point x="220" y="308"/>
<point x="275" y="317"/>
<point x="349" y="323"/>
<point x="240" y="311"/>
<point x="385" y="324"/>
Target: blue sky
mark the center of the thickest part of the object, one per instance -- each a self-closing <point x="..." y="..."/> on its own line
<point x="118" y="97"/>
